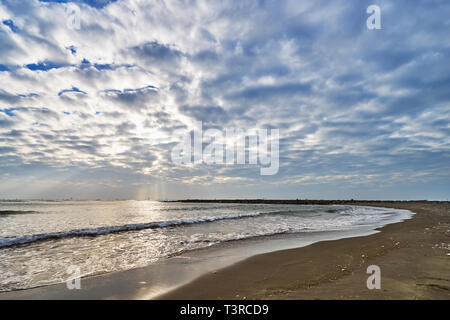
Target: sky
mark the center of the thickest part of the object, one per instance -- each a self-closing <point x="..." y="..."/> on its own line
<point x="89" y="110"/>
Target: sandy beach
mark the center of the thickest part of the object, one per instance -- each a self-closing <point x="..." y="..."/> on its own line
<point x="414" y="258"/>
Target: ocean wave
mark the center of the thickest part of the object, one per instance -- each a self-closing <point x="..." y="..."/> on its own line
<point x="199" y="208"/>
<point x="92" y="232"/>
<point x="4" y="213"/>
<point x="11" y="241"/>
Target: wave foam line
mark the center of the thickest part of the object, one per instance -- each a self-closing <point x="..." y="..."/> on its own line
<point x="12" y="212"/>
<point x="11" y="241"/>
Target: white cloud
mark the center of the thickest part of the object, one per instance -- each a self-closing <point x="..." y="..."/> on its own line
<point x="137" y="70"/>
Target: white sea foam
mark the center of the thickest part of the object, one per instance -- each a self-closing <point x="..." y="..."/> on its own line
<point x="10" y="241"/>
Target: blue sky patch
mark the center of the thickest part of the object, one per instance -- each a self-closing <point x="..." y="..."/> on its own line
<point x="74" y="89"/>
<point x="30" y="95"/>
<point x="9" y="111"/>
<point x="98" y="4"/>
<point x="11" y="25"/>
<point x="43" y="66"/>
<point x="72" y="49"/>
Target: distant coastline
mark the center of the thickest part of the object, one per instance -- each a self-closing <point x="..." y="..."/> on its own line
<point x="309" y="202"/>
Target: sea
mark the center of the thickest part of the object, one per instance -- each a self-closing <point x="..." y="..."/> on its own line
<point x="41" y="240"/>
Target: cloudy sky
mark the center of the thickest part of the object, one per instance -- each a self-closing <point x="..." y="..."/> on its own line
<point x="90" y="112"/>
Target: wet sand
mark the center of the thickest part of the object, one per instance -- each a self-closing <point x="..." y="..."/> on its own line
<point x="414" y="258"/>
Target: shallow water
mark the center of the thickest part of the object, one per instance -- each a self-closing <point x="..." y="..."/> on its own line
<point x="39" y="240"/>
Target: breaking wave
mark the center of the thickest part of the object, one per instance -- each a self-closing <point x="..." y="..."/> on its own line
<point x="11" y="241"/>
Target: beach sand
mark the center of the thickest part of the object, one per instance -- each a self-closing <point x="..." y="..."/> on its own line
<point x="414" y="258"/>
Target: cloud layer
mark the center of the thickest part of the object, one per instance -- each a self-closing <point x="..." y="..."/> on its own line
<point x="91" y="113"/>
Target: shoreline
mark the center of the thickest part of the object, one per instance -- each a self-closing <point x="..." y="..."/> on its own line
<point x="413" y="255"/>
<point x="166" y="274"/>
<point x="211" y="273"/>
